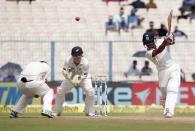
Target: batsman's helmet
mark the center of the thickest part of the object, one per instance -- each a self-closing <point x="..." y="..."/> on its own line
<point x="77" y="51"/>
<point x="148" y="38"/>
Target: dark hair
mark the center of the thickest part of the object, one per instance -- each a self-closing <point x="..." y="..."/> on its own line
<point x="134" y="61"/>
<point x="43" y="62"/>
<point x="193" y="76"/>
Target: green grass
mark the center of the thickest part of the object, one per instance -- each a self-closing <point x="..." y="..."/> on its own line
<point x="114" y="122"/>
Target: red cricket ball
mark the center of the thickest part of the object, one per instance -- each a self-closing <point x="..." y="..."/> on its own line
<point x="77" y="18"/>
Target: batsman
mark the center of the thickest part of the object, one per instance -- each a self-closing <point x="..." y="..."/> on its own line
<point x="76" y="73"/>
<point x="168" y="69"/>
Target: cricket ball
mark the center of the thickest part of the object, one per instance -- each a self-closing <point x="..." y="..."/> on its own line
<point x="77" y="18"/>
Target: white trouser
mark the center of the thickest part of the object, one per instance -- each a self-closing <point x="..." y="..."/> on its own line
<point x="31" y="89"/>
<point x="66" y="86"/>
<point x="169" y="82"/>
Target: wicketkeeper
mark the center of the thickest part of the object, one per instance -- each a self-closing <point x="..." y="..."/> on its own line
<point x="76" y="73"/>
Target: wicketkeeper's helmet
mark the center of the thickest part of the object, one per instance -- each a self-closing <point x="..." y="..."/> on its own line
<point x="77" y="51"/>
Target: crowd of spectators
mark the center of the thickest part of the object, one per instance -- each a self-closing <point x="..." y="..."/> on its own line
<point x="122" y="22"/>
<point x="18" y="1"/>
<point x="109" y="1"/>
<point x="9" y="77"/>
<point x="187" y="10"/>
<point x="162" y="31"/>
<point x="146" y="70"/>
<point x="130" y="21"/>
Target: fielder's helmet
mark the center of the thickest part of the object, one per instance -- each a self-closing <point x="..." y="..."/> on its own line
<point x="148" y="38"/>
<point x="77" y="51"/>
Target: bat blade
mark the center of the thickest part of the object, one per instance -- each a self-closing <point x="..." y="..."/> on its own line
<point x="169" y="21"/>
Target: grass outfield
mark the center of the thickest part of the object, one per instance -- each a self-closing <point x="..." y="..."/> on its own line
<point x="113" y="122"/>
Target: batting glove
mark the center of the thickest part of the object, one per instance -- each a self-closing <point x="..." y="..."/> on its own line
<point x="170" y="39"/>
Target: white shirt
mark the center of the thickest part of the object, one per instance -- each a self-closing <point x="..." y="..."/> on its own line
<point x="81" y="69"/>
<point x="36" y="71"/>
<point x="163" y="60"/>
<point x="133" y="72"/>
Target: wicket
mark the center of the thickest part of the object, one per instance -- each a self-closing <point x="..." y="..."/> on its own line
<point x="101" y="96"/>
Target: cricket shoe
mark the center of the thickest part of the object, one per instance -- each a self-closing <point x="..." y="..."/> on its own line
<point x="57" y="114"/>
<point x="167" y="114"/>
<point x="13" y="114"/>
<point x="48" y="114"/>
<point x="91" y="114"/>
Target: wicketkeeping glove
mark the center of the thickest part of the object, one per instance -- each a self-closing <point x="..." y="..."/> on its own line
<point x="67" y="74"/>
<point x="76" y="80"/>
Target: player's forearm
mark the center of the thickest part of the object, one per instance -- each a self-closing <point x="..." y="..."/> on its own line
<point x="159" y="49"/>
<point x="169" y="40"/>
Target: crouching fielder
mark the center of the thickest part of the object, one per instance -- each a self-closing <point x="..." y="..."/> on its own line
<point x="76" y="74"/>
<point x="168" y="69"/>
<point x="31" y="83"/>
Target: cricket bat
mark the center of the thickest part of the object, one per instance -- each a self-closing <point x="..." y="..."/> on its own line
<point x="169" y="21"/>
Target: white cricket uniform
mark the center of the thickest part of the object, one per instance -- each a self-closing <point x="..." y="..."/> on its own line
<point x="168" y="75"/>
<point x="36" y="74"/>
<point x="86" y="84"/>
